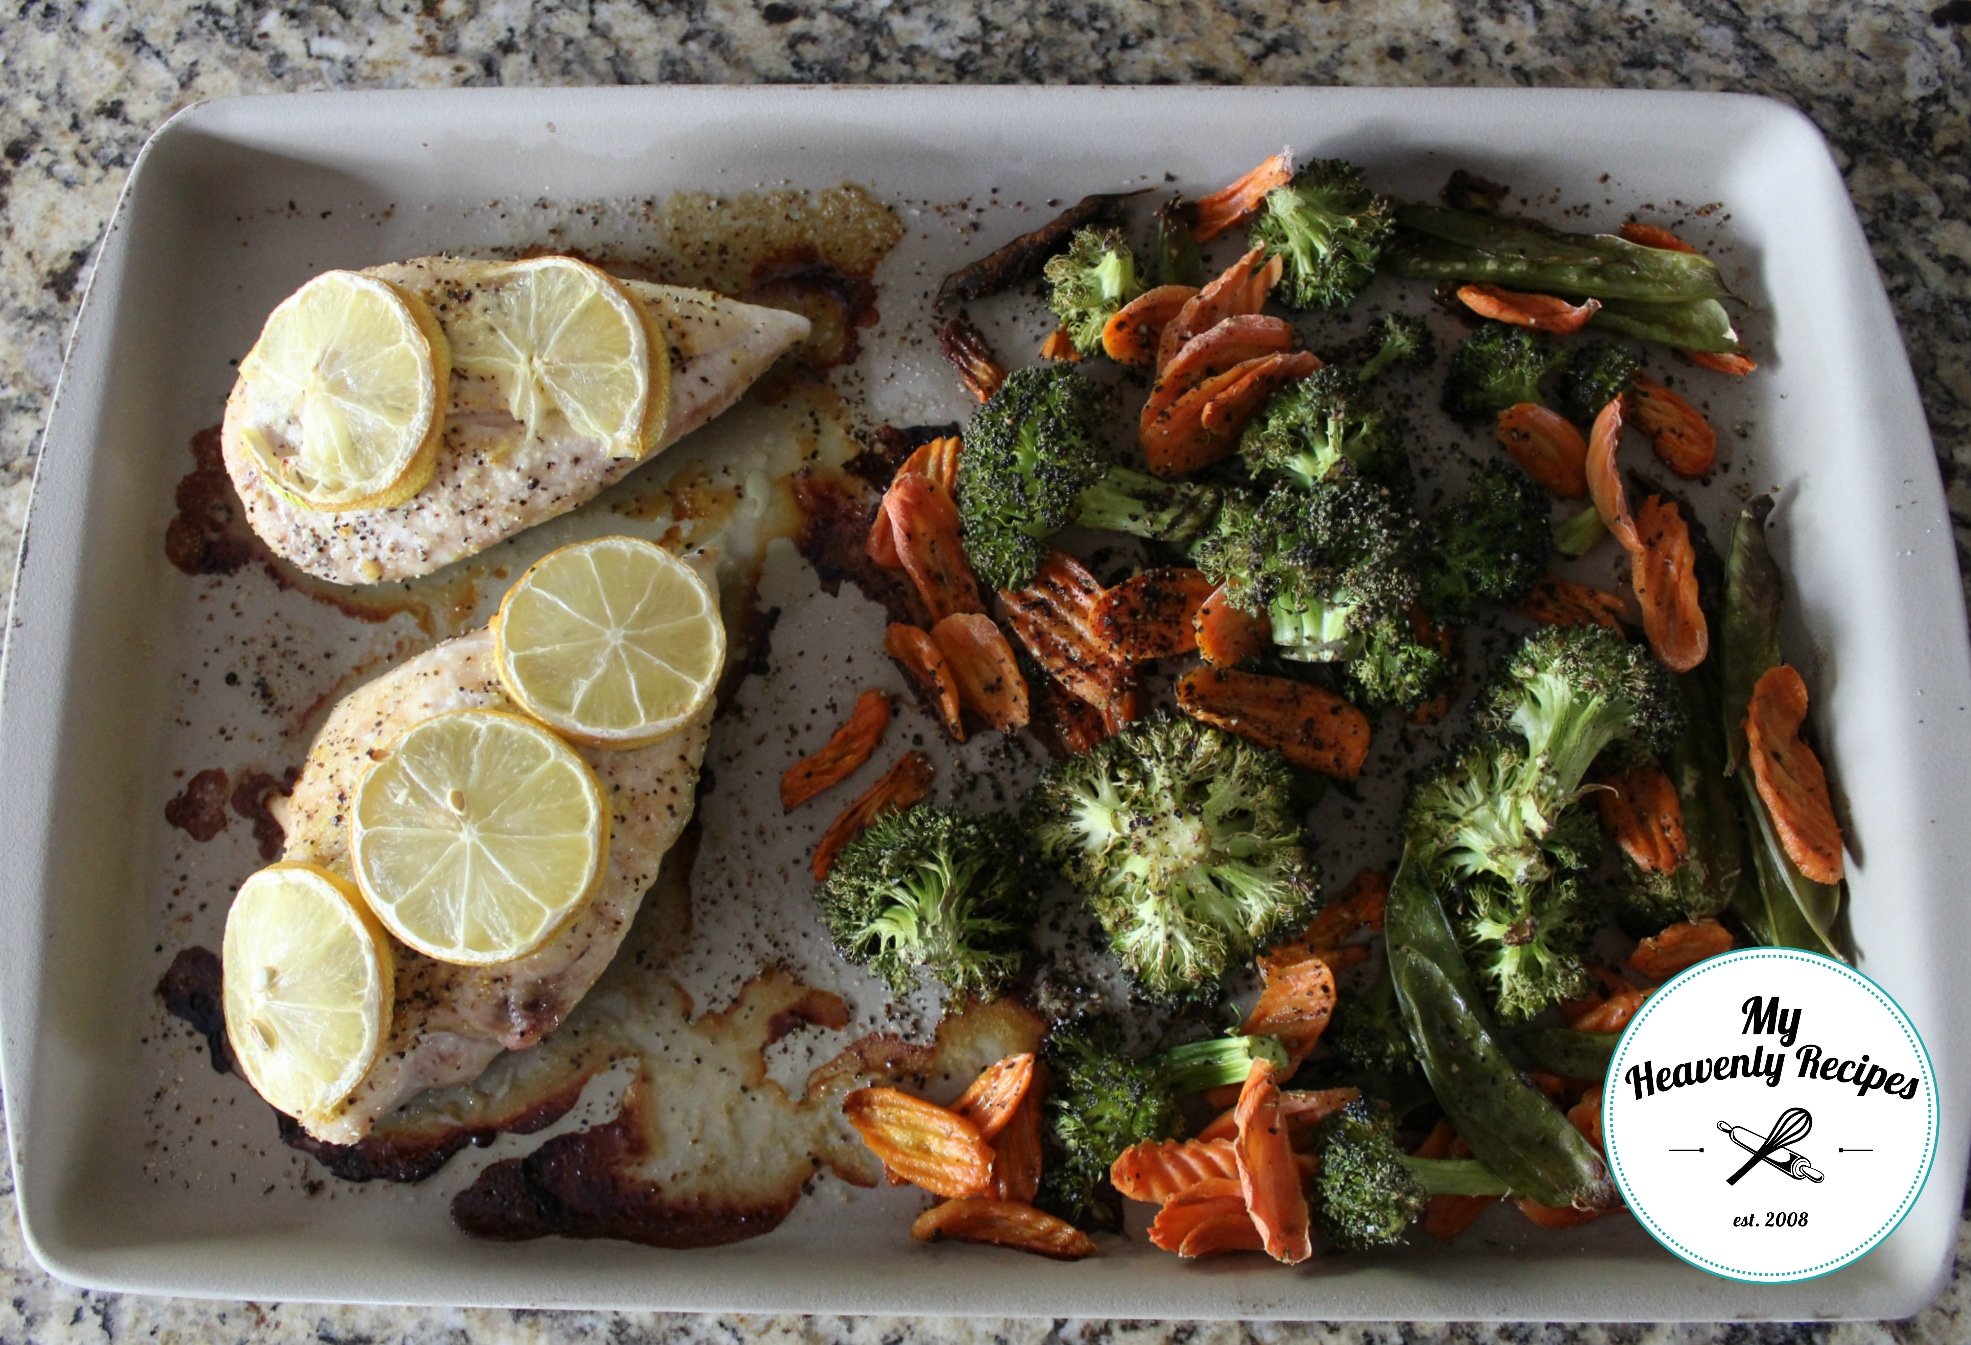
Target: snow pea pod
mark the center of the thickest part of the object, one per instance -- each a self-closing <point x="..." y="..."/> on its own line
<point x="1691" y="324"/>
<point x="1713" y="870"/>
<point x="1439" y="243"/>
<point x="1570" y="1054"/>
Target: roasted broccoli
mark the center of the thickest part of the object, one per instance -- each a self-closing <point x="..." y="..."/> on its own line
<point x="1394" y="667"/>
<point x="932" y="891"/>
<point x="1528" y="943"/>
<point x="1498" y="366"/>
<point x="1406" y="343"/>
<point x="1183" y="841"/>
<point x="1494" y="547"/>
<point x="1368" y="1191"/>
<point x="1035" y="462"/>
<point x="1595" y="374"/>
<point x="1367" y="1031"/>
<point x="1089" y="282"/>
<point x="1318" y="427"/>
<point x="1102" y="1101"/>
<point x="1330" y="231"/>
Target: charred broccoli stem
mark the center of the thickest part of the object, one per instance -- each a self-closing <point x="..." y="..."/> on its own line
<point x="1089" y="282"/>
<point x="1329" y="229"/>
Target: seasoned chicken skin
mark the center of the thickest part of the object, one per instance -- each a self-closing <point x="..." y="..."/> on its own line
<point x="450" y="1022"/>
<point x="491" y="481"/>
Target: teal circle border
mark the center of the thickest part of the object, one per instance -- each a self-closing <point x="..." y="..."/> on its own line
<point x="1932" y="1118"/>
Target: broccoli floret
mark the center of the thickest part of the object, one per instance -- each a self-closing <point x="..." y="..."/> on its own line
<point x="1316" y="428"/>
<point x="1329" y="229"/>
<point x="1089" y="282"/>
<point x="1183" y="841"/>
<point x="1395" y="668"/>
<point x="1102" y="1101"/>
<point x="1406" y="343"/>
<point x="1035" y="462"/>
<point x="1464" y="815"/>
<point x="1498" y="366"/>
<point x="1528" y="943"/>
<point x="1367" y="1031"/>
<point x="1494" y="547"/>
<point x="1580" y="533"/>
<point x="931" y="891"/>
<point x="1368" y="1191"/>
<point x="1595" y="374"/>
<point x="1325" y="565"/>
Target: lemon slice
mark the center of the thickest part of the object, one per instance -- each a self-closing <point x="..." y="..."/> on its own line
<point x="478" y="836"/>
<point x="308" y="983"/>
<point x="615" y="642"/>
<point x="344" y="394"/>
<point x="562" y="341"/>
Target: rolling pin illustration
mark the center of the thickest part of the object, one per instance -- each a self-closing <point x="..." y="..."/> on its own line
<point x="1794" y="1165"/>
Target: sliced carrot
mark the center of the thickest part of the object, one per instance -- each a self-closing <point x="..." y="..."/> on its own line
<point x="988" y="1101"/>
<point x="1562" y="602"/>
<point x="925" y="663"/>
<point x="925" y="1144"/>
<point x="1641" y="810"/>
<point x="1158" y="1169"/>
<point x="1180" y="1218"/>
<point x="965" y="349"/>
<point x="1339" y="960"/>
<point x="1054" y="618"/>
<point x="1153" y="614"/>
<point x="1547" y="447"/>
<point x="1295" y="1006"/>
<point x="1059" y="346"/>
<point x="1356" y="907"/>
<point x="1202" y="425"/>
<point x="905" y="783"/>
<point x="924" y="519"/>
<point x="1661" y="956"/>
<point x="1223" y="346"/>
<point x="1267" y="1172"/>
<point x="1541" y="312"/>
<point x="841" y="756"/>
<point x="1789" y="775"/>
<point x="1231" y="1231"/>
<point x="1306" y="724"/>
<point x="1611" y="1015"/>
<point x="1663" y="571"/>
<point x="1016" y="1152"/>
<point x="1228" y="635"/>
<point x="1130" y="337"/>
<point x="1234" y="204"/>
<point x="1003" y="1223"/>
<point x="1650" y="236"/>
<point x="1075" y="724"/>
<point x="1605" y="475"/>
<point x="1678" y="431"/>
<point x="989" y="679"/>
<point x="1301" y="1110"/>
<point x="934" y="458"/>
<point x="1721" y="362"/>
<point x="1241" y="287"/>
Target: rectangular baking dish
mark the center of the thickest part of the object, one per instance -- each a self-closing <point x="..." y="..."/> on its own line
<point x="232" y="203"/>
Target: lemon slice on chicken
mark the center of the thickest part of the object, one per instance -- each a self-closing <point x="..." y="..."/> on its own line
<point x="558" y="338"/>
<point x="615" y="642"/>
<point x="344" y="394"/>
<point x="308" y="978"/>
<point x="478" y="836"/>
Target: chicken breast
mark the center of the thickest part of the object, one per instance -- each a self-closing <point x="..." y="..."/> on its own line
<point x="450" y="1022"/>
<point x="491" y="480"/>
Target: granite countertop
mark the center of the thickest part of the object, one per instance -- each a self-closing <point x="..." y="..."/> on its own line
<point x="85" y="83"/>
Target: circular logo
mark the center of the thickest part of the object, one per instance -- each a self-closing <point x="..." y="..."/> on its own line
<point x="1770" y="1115"/>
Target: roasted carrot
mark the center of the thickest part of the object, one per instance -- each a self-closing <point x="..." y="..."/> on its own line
<point x="965" y="349"/>
<point x="1241" y="287"/>
<point x="1661" y="956"/>
<point x="1610" y="1015"/>
<point x="925" y="663"/>
<point x="1300" y="1111"/>
<point x="990" y="682"/>
<point x="1153" y="614"/>
<point x="1678" y="431"/>
<point x="1268" y="1174"/>
<point x="1075" y="725"/>
<point x="1221" y="347"/>
<point x="1541" y="312"/>
<point x="1562" y="602"/>
<point x="1605" y="475"/>
<point x="1295" y="1006"/>
<point x="1003" y="1223"/>
<point x="1721" y="362"/>
<point x="936" y="459"/>
<point x="924" y="520"/>
<point x="1202" y="425"/>
<point x="1789" y="777"/>
<point x="1016" y="1152"/>
<point x="1183" y="1216"/>
<point x="1306" y="724"/>
<point x="905" y="783"/>
<point x="1131" y="336"/>
<point x="1663" y="571"/>
<point x="1234" y="204"/>
<point x="841" y="756"/>
<point x="1059" y="346"/>
<point x="1227" y="1231"/>
<point x="1159" y="1169"/>
<point x="988" y="1101"/>
<point x="1357" y="906"/>
<point x="1640" y="809"/>
<point x="925" y="1144"/>
<point x="1229" y="635"/>
<point x="1054" y="618"/>
<point x="1547" y="447"/>
<point x="1650" y="236"/>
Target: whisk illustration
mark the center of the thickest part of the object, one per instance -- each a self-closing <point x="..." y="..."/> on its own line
<point x="1775" y="1147"/>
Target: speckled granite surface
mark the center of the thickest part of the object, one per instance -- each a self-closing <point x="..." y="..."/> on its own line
<point x="83" y="84"/>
